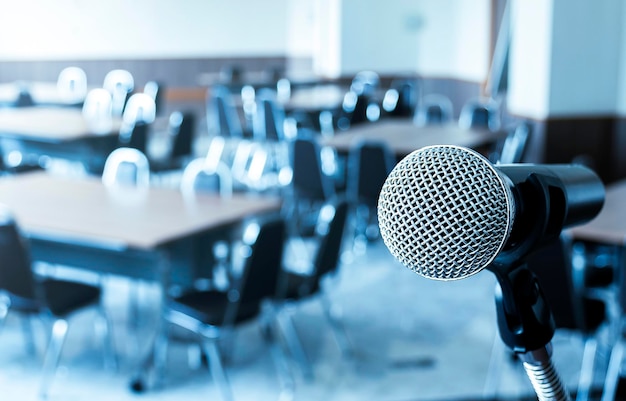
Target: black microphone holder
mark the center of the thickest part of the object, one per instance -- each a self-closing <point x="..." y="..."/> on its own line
<point x="526" y="326"/>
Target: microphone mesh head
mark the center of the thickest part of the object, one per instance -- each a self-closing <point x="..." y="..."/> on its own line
<point x="445" y="212"/>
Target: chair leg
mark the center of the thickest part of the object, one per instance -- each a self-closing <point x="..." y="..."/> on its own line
<point x="613" y="372"/>
<point x="53" y="354"/>
<point x="105" y="332"/>
<point x="194" y="356"/>
<point x="5" y="305"/>
<point x="161" y="344"/>
<point x="339" y="330"/>
<point x="293" y="343"/>
<point x="494" y="371"/>
<point x="217" y="369"/>
<point x="27" y="328"/>
<point x="585" y="380"/>
<point x="287" y="383"/>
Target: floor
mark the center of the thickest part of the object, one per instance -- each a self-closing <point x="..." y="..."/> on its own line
<point x="413" y="339"/>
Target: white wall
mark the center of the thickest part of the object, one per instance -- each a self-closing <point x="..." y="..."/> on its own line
<point x="444" y="38"/>
<point x="567" y="58"/>
<point x="530" y="54"/>
<point x="378" y="35"/>
<point x="584" y="71"/>
<point x="454" y="40"/>
<point x="81" y="29"/>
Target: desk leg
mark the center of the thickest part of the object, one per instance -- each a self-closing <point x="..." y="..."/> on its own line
<point x="150" y="372"/>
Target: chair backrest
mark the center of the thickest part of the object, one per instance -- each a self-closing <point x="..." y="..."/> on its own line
<point x="72" y="84"/>
<point x="434" y="109"/>
<point x="140" y="107"/>
<point x="127" y="167"/>
<point x="515" y="144"/>
<point x="330" y="227"/>
<point x="24" y="98"/>
<point x="182" y="128"/>
<point x="231" y="74"/>
<point x="308" y="180"/>
<point x="262" y="268"/>
<point x="155" y="90"/>
<point x="478" y="113"/>
<point x="202" y="177"/>
<point x="365" y="82"/>
<point x="98" y="110"/>
<point x="269" y="118"/>
<point x="16" y="276"/>
<point x="402" y="98"/>
<point x="120" y="83"/>
<point x="355" y="106"/>
<point x="221" y="113"/>
<point x="135" y="136"/>
<point x="369" y="164"/>
<point x="571" y="308"/>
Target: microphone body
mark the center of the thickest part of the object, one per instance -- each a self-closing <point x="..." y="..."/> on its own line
<point x="447" y="213"/>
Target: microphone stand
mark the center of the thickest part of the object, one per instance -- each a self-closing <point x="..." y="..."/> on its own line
<point x="526" y="326"/>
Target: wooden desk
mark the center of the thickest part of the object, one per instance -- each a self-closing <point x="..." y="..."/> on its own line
<point x="314" y="99"/>
<point x="42" y="94"/>
<point x="58" y="132"/>
<point x="154" y="234"/>
<point x="79" y="222"/>
<point x="403" y="136"/>
<point x="609" y="227"/>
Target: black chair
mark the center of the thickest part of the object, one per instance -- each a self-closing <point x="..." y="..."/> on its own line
<point x="134" y="135"/>
<point x="268" y="130"/>
<point x="356" y="109"/>
<point x="210" y="314"/>
<point x="573" y="310"/>
<point x="222" y="115"/>
<point x="295" y="286"/>
<point x="365" y="82"/>
<point x="126" y="167"/>
<point x="202" y="176"/>
<point x="231" y="74"/>
<point x="53" y="300"/>
<point x="156" y="91"/>
<point x="181" y="132"/>
<point x="358" y="105"/>
<point x="402" y="98"/>
<point x="310" y="187"/>
<point x="120" y="83"/>
<point x="24" y="98"/>
<point x="514" y="147"/>
<point x="269" y="118"/>
<point x="480" y="113"/>
<point x="369" y="164"/>
<point x="434" y="109"/>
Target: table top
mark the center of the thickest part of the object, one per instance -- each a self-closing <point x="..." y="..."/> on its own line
<point x="82" y="209"/>
<point x="49" y="124"/>
<point x="609" y="226"/>
<point x="315" y="98"/>
<point x="403" y="136"/>
<point x="41" y="92"/>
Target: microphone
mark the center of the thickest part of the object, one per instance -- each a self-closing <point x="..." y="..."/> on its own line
<point x="447" y="213"/>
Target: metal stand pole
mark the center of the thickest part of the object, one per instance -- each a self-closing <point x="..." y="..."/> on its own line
<point x="543" y="375"/>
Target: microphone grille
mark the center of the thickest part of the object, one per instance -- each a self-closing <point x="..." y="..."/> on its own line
<point x="445" y="212"/>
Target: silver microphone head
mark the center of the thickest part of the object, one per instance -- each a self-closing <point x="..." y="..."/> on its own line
<point x="445" y="212"/>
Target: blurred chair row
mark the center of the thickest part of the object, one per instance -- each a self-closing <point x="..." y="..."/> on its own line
<point x="212" y="312"/>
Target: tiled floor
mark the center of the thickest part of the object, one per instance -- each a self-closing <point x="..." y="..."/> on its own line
<point x="414" y="339"/>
